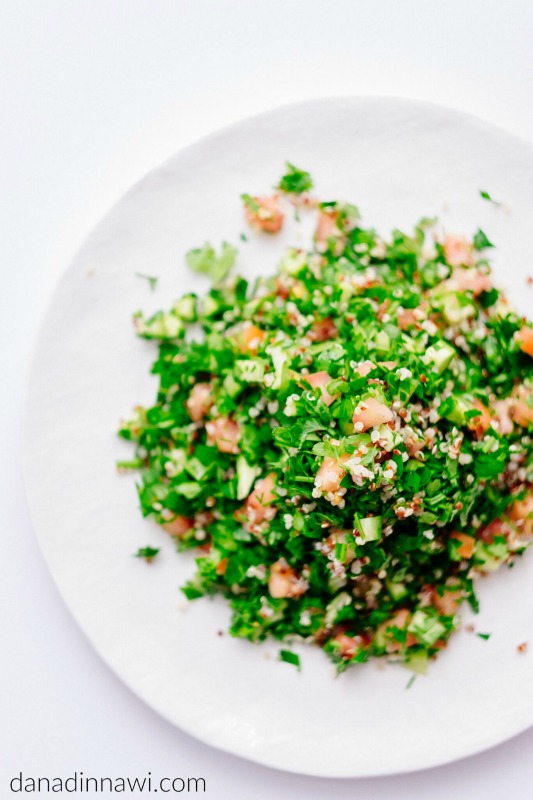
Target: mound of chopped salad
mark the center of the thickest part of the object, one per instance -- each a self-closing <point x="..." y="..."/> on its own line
<point x="348" y="443"/>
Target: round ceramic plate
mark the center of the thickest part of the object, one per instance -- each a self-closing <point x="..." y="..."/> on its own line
<point x="397" y="160"/>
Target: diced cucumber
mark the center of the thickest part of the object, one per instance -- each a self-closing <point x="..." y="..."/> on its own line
<point x="456" y="310"/>
<point x="391" y="438"/>
<point x="380" y="639"/>
<point x="382" y="342"/>
<point x="417" y="662"/>
<point x="280" y="360"/>
<point x="457" y="413"/>
<point x="456" y="408"/>
<point x="250" y="370"/>
<point x="454" y="545"/>
<point x="332" y="609"/>
<point x="488" y="557"/>
<point x="195" y="468"/>
<point x="369" y="528"/>
<point x="160" y="326"/>
<point x="246" y="475"/>
<point x="293" y="261"/>
<point x="249" y="309"/>
<point x="397" y="590"/>
<point x="210" y="306"/>
<point x="185" y="308"/>
<point x="231" y="386"/>
<point x="426" y="628"/>
<point x="439" y="356"/>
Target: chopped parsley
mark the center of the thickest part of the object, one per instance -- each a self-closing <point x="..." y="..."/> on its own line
<point x="295" y="181"/>
<point x="480" y="240"/>
<point x="151" y="279"/>
<point x="251" y="203"/>
<point x="204" y="259"/>
<point x="290" y="658"/>
<point x="148" y="553"/>
<point x="347" y="446"/>
<point x="486" y="196"/>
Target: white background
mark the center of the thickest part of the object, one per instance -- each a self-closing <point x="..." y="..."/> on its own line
<point x="92" y="95"/>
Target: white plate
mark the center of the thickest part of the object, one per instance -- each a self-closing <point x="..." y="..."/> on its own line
<point x="398" y="160"/>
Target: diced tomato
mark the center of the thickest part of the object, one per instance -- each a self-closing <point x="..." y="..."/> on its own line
<point x="267" y="216"/>
<point x="282" y="289"/>
<point x="338" y="536"/>
<point x="250" y="338"/>
<point x="448" y="602"/>
<point x="481" y="423"/>
<point x="263" y="492"/>
<point x="365" y="367"/>
<point x="322" y="330"/>
<point x="178" y="526"/>
<point x="348" y="646"/>
<point x="524" y="337"/>
<point x="372" y="412"/>
<point x="224" y="433"/>
<point x="466" y="548"/>
<point x="330" y="475"/>
<point x="521" y="411"/>
<point x="326" y="228"/>
<point x="445" y="604"/>
<point x="488" y="532"/>
<point x="203" y="518"/>
<point x="298" y="289"/>
<point x="406" y="319"/>
<point x="284" y="581"/>
<point x="319" y="380"/>
<point x="221" y="566"/>
<point x="200" y="401"/>
<point x="258" y="504"/>
<point x="414" y="445"/>
<point x="458" y="251"/>
<point x="502" y="414"/>
<point x="398" y="620"/>
<point x="469" y="280"/>
<point x="521" y="513"/>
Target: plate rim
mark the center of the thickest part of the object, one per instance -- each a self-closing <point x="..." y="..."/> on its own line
<point x="235" y="748"/>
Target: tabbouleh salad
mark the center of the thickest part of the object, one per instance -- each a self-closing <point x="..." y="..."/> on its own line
<point x="348" y="444"/>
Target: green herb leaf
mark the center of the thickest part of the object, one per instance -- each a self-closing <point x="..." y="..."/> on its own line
<point x="480" y="240"/>
<point x="486" y="196"/>
<point x="152" y="280"/>
<point x="295" y="181"/>
<point x="206" y="261"/>
<point x="290" y="658"/>
<point x="148" y="553"/>
<point x="250" y="203"/>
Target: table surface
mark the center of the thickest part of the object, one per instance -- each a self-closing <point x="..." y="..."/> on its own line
<point x="93" y="95"/>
